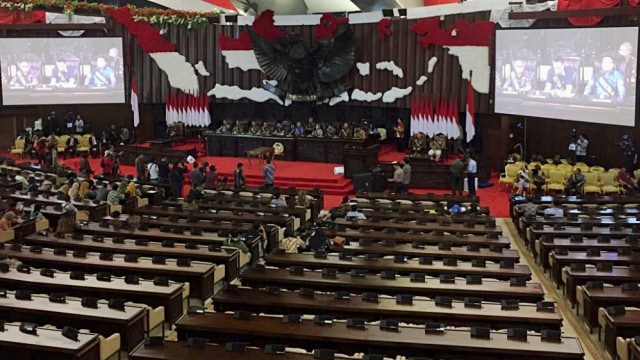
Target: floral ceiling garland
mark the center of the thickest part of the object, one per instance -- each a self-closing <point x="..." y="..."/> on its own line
<point x="149" y="15"/>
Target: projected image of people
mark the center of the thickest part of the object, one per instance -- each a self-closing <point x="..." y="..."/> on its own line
<point x="571" y="74"/>
<point x="40" y="71"/>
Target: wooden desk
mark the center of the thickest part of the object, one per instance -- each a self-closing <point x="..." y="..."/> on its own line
<point x="560" y="261"/>
<point x="489" y="290"/>
<point x="410" y="215"/>
<point x="415" y="197"/>
<point x="420" y="312"/>
<point x="427" y="239"/>
<point x="618" y="276"/>
<point x="316" y="193"/>
<point x="418" y="207"/>
<point x="248" y="207"/>
<point x="568" y="231"/>
<point x="230" y="258"/>
<point x="160" y="143"/>
<point x="96" y="211"/>
<point x="49" y="344"/>
<point x="145" y="292"/>
<point x="428" y="251"/>
<point x="406" y="226"/>
<point x="130" y="323"/>
<point x="543" y="247"/>
<point x="634" y="351"/>
<point x="262" y="153"/>
<point x="410" y="266"/>
<point x="156" y="235"/>
<point x="280" y="220"/>
<point x="625" y="326"/>
<point x="605" y="297"/>
<point x="199" y="275"/>
<point x="172" y="350"/>
<point x="408" y="341"/>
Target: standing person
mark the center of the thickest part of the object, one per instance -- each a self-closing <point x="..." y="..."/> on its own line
<point x="238" y="177"/>
<point x="398" y="176"/>
<point x="581" y="148"/>
<point x="406" y="175"/>
<point x="269" y="173"/>
<point x="163" y="170"/>
<point x="94" y="146"/>
<point x="79" y="125"/>
<point x="69" y="122"/>
<point x="457" y="168"/>
<point x="140" y="167"/>
<point x="85" y="166"/>
<point x="211" y="178"/>
<point x="152" y="168"/>
<point x="399" y="132"/>
<point x="523" y="180"/>
<point x="176" y="179"/>
<point x="196" y="176"/>
<point x="107" y="163"/>
<point x="472" y="169"/>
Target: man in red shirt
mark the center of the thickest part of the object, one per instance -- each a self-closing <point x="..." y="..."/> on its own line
<point x="625" y="179"/>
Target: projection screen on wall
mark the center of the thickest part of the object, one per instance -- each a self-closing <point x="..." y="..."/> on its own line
<point x="42" y="71"/>
<point x="569" y="74"/>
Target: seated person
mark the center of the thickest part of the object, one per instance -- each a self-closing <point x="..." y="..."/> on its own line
<point x="64" y="75"/>
<point x="290" y="243"/>
<point x="435" y="149"/>
<point x="418" y="144"/>
<point x="297" y="130"/>
<point x="71" y="147"/>
<point x="278" y="200"/>
<point x="354" y="214"/>
<point x="345" y="132"/>
<point x="626" y="181"/>
<point x="360" y="134"/>
<point x="311" y="125"/>
<point x="317" y="132"/>
<point x="8" y="221"/>
<point x="254" y="129"/>
<point x="520" y="79"/>
<point x="538" y="180"/>
<point x="265" y="130"/>
<point x="26" y="76"/>
<point x="575" y="182"/>
<point x="561" y="79"/>
<point x="36" y="213"/>
<point x="528" y="209"/>
<point x="237" y="128"/>
<point x="225" y="128"/>
<point x="190" y="204"/>
<point x="555" y="210"/>
<point x="101" y="76"/>
<point x="607" y="83"/>
<point x="278" y="130"/>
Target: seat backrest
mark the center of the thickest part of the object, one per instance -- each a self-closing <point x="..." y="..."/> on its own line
<point x="19" y="143"/>
<point x="278" y="148"/>
<point x="607" y="179"/>
<point x="591" y="178"/>
<point x="62" y="140"/>
<point x="556" y="176"/>
<point x="599" y="169"/>
<point x="511" y="170"/>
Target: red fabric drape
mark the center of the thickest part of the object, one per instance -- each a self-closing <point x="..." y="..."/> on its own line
<point x="19" y="17"/>
<point x="383" y="29"/>
<point x="328" y="26"/>
<point x="585" y="4"/>
<point x="243" y="42"/>
<point x="467" y="34"/>
<point x="634" y="2"/>
<point x="264" y="25"/>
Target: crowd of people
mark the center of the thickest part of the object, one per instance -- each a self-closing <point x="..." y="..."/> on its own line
<point x="310" y="129"/>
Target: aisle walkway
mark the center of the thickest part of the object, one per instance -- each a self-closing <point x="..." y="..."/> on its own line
<point x="572" y="324"/>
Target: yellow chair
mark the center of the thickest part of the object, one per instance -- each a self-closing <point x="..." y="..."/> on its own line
<point x="18" y="147"/>
<point x="508" y="176"/>
<point x="591" y="184"/>
<point x="615" y="171"/>
<point x="582" y="166"/>
<point x="598" y="169"/>
<point x="520" y="164"/>
<point x="636" y="174"/>
<point x="609" y="183"/>
<point x="62" y="143"/>
<point x="556" y="181"/>
<point x="83" y="143"/>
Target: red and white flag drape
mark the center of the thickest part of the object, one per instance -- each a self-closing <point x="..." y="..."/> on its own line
<point x="188" y="109"/>
<point x="432" y="117"/>
<point x="134" y="102"/>
<point x="470" y="123"/>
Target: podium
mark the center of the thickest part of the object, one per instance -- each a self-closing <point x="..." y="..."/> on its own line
<point x="358" y="158"/>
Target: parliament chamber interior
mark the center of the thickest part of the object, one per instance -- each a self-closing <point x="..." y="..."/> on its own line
<point x="336" y="179"/>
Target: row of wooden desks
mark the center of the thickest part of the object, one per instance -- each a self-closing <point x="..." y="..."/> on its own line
<point x="200" y="275"/>
<point x="407" y="341"/>
<point x="489" y="290"/>
<point x="228" y="257"/>
<point x="574" y="200"/>
<point x="545" y="245"/>
<point x="559" y="260"/>
<point x="617" y="276"/>
<point x="406" y="215"/>
<point x="415" y="197"/>
<point x="291" y="192"/>
<point x="603" y="297"/>
<point x="96" y="211"/>
<point x="426" y="227"/>
<point x="417" y="207"/>
<point x="459" y="239"/>
<point x="179" y="350"/>
<point x="401" y="266"/>
<point x="496" y="254"/>
<point x="47" y="344"/>
<point x="420" y="311"/>
<point x="625" y="326"/>
<point x="144" y="292"/>
<point x="130" y="323"/>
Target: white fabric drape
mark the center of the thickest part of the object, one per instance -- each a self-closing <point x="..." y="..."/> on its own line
<point x="501" y="16"/>
<point x="55" y="18"/>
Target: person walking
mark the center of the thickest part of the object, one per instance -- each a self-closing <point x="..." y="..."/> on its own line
<point x="269" y="172"/>
<point x="457" y="173"/>
<point x="406" y="175"/>
<point x="472" y="169"/>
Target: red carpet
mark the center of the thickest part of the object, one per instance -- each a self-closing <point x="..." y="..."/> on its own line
<point x="308" y="175"/>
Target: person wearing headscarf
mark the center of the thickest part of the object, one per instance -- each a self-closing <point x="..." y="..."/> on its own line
<point x="73" y="191"/>
<point x="132" y="189"/>
<point x="84" y="188"/>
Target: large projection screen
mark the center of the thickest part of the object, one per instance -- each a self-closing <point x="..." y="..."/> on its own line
<point x="44" y="71"/>
<point x="569" y="74"/>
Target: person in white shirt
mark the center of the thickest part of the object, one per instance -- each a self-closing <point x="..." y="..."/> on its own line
<point x="355" y="214"/>
<point x="79" y="124"/>
<point x="37" y="125"/>
<point x="153" y="169"/>
<point x="472" y="169"/>
<point x="555" y="210"/>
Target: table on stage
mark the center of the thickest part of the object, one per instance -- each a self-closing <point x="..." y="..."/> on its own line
<point x="262" y="153"/>
<point x="160" y="143"/>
